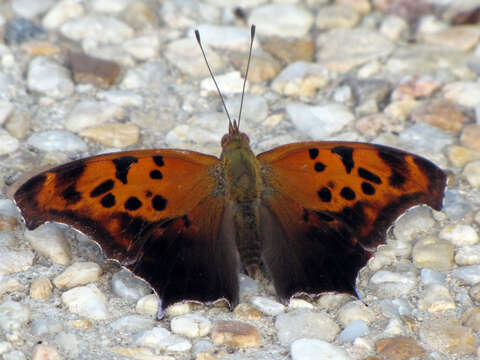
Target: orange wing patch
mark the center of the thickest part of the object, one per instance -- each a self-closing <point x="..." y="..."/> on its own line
<point x="118" y="198"/>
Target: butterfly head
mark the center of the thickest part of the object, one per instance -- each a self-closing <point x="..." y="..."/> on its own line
<point x="234" y="139"/>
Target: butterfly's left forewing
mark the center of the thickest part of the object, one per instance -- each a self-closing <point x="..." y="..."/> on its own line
<point x="331" y="204"/>
<point x="159" y="212"/>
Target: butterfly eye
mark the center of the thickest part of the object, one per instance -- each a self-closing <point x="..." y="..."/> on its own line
<point x="225" y="140"/>
<point x="245" y="138"/>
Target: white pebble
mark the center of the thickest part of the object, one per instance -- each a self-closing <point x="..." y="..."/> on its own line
<point x="267" y="306"/>
<point x="468" y="274"/>
<point x="127" y="286"/>
<point x="230" y="83"/>
<point x="303" y="323"/>
<point x="224" y="37"/>
<point x="49" y="241"/>
<point x="414" y="222"/>
<point x="468" y="255"/>
<point x="472" y="173"/>
<point x="464" y="93"/>
<point x="121" y="97"/>
<point x="86" y="301"/>
<point x="57" y="140"/>
<point x="301" y="79"/>
<point x="8" y="143"/>
<point x="459" y="234"/>
<point x="8" y="208"/>
<point x="68" y="343"/>
<point x="45" y="351"/>
<point x="12" y="261"/>
<point x="393" y="284"/>
<point x="104" y="29"/>
<point x="432" y="254"/>
<point x="436" y="298"/>
<point x="14" y="355"/>
<point x="132" y="323"/>
<point x="6" y="109"/>
<point x="319" y="121"/>
<point x="91" y="113"/>
<point x="355" y="310"/>
<point x="41" y="288"/>
<point x="191" y="325"/>
<point x="10" y="284"/>
<point x="61" y="12"/>
<point x="110" y="6"/>
<point x="143" y="48"/>
<point x="353" y="330"/>
<point x="30" y="9"/>
<point x="147" y="75"/>
<point x="79" y="273"/>
<point x="161" y="339"/>
<point x="147" y="305"/>
<point x="49" y="78"/>
<point x="311" y="349"/>
<point x="42" y="326"/>
<point x="13" y="315"/>
<point x="430" y="276"/>
<point x="285" y="20"/>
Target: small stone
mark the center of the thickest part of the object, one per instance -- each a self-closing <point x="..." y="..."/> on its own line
<point x="413" y="223"/>
<point x="416" y="86"/>
<point x="236" y="333"/>
<point x="296" y="303"/>
<point x="132" y="324"/>
<point x="301" y="79"/>
<point x="267" y="306"/>
<point x="61" y="12"/>
<point x="472" y="173"/>
<point x="129" y="287"/>
<point x="312" y="349"/>
<point x="79" y="273"/>
<point x="443" y="114"/>
<point x="341" y="49"/>
<point x="436" y="297"/>
<point x="430" y="276"/>
<point x="8" y="223"/>
<point x="147" y="305"/>
<point x="50" y="242"/>
<point x="468" y="274"/>
<point x="190" y="325"/>
<point x="161" y="339"/>
<point x="41" y="288"/>
<point x="284" y="20"/>
<point x="304" y="323"/>
<point x="104" y="29"/>
<point x="470" y="137"/>
<point x="139" y="16"/>
<point x="143" y="48"/>
<point x="401" y="109"/>
<point x="353" y="330"/>
<point x="436" y="255"/>
<point x="29" y="10"/>
<point x="87" y="69"/>
<point x="86" y="301"/>
<point x="448" y="337"/>
<point x="92" y="113"/>
<point x="393" y="284"/>
<point x="13" y="315"/>
<point x="82" y="324"/>
<point x="459" y="155"/>
<point x="68" y="344"/>
<point x="179" y="308"/>
<point x="42" y="326"/>
<point x="361" y="6"/>
<point x="12" y="261"/>
<point x="245" y="311"/>
<point x="463" y="93"/>
<point x="146" y="75"/>
<point x="57" y="140"/>
<point x="14" y="355"/>
<point x="459" y="234"/>
<point x="49" y="78"/>
<point x="18" y="31"/>
<point x="109" y="6"/>
<point x="113" y="134"/>
<point x="468" y="255"/>
<point x="289" y="50"/>
<point x="393" y="27"/>
<point x="462" y="38"/>
<point x="473" y="319"/>
<point x="353" y="311"/>
<point x="139" y="353"/>
<point x="8" y="143"/>
<point x="6" y="109"/>
<point x="18" y="124"/>
<point x="224" y="37"/>
<point x="399" y="348"/>
<point x="121" y="97"/>
<point x="230" y="83"/>
<point x="336" y="16"/>
<point x="319" y="121"/>
<point x="266" y="67"/>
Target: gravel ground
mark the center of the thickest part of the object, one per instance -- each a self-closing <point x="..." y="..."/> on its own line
<point x="398" y="72"/>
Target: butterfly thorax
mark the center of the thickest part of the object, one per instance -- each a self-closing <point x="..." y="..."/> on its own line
<point x="241" y="174"/>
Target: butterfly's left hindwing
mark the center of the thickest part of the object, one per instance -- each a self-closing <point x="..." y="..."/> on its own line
<point x="332" y="203"/>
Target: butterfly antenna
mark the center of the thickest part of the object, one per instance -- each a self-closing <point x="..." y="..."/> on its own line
<point x="197" y="35"/>
<point x="252" y="36"/>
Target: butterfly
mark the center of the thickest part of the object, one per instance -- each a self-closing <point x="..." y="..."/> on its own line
<point x="308" y="214"/>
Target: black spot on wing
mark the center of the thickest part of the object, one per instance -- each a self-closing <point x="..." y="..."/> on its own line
<point x="108" y="201"/>
<point x="319" y="167"/>
<point x="353" y="216"/>
<point x="368" y="175"/>
<point x="30" y="187"/>
<point x="186" y="221"/>
<point x="133" y="203"/>
<point x="313" y="152"/>
<point x="325" y="194"/>
<point x="347" y="193"/>
<point x="396" y="179"/>
<point x="159" y="203"/>
<point x="323" y="216"/>
<point x="67" y="173"/>
<point x="158" y="159"/>
<point x="71" y="195"/>
<point x="395" y="160"/>
<point x="346" y="154"/>
<point x="156" y="174"/>
<point x="367" y="188"/>
<point x="103" y="188"/>
<point x="122" y="165"/>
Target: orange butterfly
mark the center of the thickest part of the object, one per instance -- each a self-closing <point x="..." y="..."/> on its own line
<point x="309" y="213"/>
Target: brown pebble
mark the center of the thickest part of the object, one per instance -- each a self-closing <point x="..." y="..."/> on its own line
<point x="415" y="87"/>
<point x="236" y="333"/>
<point x="264" y="67"/>
<point x="448" y="336"/>
<point x="7" y="223"/>
<point x="41" y="288"/>
<point x="471" y="137"/>
<point x="246" y="311"/>
<point x="443" y="114"/>
<point x="289" y="51"/>
<point x="399" y="348"/>
<point x="91" y="70"/>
